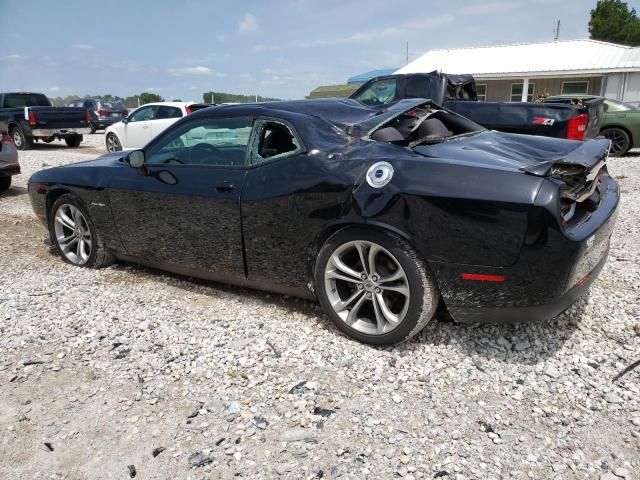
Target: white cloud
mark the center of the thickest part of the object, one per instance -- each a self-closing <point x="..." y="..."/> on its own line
<point x="199" y="70"/>
<point x="491" y="7"/>
<point x="369" y="35"/>
<point x="83" y="46"/>
<point x="14" y="57"/>
<point x="54" y="89"/>
<point x="248" y="23"/>
<point x="244" y="76"/>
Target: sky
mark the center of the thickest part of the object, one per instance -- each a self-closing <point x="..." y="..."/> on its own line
<point x="276" y="48"/>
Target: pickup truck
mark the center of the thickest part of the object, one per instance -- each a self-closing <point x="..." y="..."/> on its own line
<point x="30" y="116"/>
<point x="458" y="94"/>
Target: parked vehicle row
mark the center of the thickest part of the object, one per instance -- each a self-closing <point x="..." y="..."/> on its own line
<point x="382" y="212"/>
<point x="30" y="116"/>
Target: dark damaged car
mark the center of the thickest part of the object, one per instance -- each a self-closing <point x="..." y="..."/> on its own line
<point x="381" y="214"/>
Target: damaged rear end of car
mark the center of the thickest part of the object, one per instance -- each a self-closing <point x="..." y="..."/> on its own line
<point x="524" y="222"/>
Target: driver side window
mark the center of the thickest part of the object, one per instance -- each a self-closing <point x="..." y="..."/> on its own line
<point x="143" y="113"/>
<point x="378" y="93"/>
<point x="209" y="141"/>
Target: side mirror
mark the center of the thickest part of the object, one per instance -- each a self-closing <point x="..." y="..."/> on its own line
<point x="124" y="120"/>
<point x="136" y="159"/>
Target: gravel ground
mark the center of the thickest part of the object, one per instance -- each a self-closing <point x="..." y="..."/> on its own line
<point x="122" y="369"/>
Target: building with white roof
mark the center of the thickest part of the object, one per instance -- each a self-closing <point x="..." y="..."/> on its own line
<point x="522" y="72"/>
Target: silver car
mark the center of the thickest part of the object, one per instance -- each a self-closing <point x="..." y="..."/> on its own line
<point x="9" y="165"/>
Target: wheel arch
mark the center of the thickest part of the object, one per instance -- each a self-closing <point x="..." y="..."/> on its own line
<point x="56" y="192"/>
<point x="336" y="227"/>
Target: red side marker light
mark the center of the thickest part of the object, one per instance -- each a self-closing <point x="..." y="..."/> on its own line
<point x="40" y="188"/>
<point x="481" y="277"/>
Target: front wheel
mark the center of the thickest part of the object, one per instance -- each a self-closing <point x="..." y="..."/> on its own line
<point x="374" y="286"/>
<point x="74" y="141"/>
<point x="113" y="144"/>
<point x="620" y="141"/>
<point x="75" y="236"/>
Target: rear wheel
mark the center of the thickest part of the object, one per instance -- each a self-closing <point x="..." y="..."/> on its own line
<point x="620" y="141"/>
<point x="75" y="236"/>
<point x="20" y="140"/>
<point x="113" y="144"/>
<point x="74" y="141"/>
<point x="5" y="182"/>
<point x="374" y="286"/>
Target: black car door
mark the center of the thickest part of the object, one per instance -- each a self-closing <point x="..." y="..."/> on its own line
<point x="183" y="209"/>
<point x="290" y="195"/>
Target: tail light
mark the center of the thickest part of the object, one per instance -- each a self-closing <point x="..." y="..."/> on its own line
<point x="577" y="127"/>
<point x="188" y="109"/>
<point x="103" y="113"/>
<point x="125" y="112"/>
<point x="32" y="118"/>
<point x="87" y="117"/>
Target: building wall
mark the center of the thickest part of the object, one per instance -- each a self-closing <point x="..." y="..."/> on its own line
<point x="500" y="90"/>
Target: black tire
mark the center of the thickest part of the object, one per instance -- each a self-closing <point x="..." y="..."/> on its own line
<point x="424" y="295"/>
<point x="113" y="142"/>
<point x="74" y="141"/>
<point x="99" y="256"/>
<point x="620" y="140"/>
<point x="20" y="140"/>
<point x="5" y="182"/>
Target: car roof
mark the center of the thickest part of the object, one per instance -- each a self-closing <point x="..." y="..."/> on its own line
<point x="170" y="104"/>
<point x="342" y="111"/>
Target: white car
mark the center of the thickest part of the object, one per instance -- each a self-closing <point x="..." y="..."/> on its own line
<point x="143" y="124"/>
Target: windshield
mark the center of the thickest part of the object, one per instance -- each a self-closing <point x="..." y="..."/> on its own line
<point x="112" y="105"/>
<point x="19" y="100"/>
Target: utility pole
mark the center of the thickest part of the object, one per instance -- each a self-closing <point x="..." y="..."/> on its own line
<point x="407" y="52"/>
<point x="212" y="98"/>
<point x="556" y="35"/>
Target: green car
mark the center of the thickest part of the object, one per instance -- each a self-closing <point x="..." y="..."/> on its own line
<point x="621" y="123"/>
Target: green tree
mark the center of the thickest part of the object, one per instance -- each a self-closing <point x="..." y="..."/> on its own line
<point x="148" y="97"/>
<point x="612" y="21"/>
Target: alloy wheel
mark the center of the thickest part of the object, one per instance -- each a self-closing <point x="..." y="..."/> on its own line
<point x="17" y="139"/>
<point x="367" y="287"/>
<point x="73" y="234"/>
<point x="113" y="145"/>
<point x="619" y="141"/>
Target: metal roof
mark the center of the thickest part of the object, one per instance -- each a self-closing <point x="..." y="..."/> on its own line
<point x="530" y="59"/>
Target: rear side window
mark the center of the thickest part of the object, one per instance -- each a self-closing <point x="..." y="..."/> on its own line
<point x="418" y="87"/>
<point x="273" y="140"/>
<point x="111" y="105"/>
<point x="18" y="100"/>
<point x="165" y="112"/>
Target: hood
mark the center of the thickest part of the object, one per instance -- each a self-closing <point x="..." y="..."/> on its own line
<point x="527" y="153"/>
<point x="103" y="160"/>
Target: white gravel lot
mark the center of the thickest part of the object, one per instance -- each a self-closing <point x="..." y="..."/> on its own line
<point x="99" y="368"/>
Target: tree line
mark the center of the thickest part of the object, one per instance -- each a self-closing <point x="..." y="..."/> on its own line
<point x="146" y="97"/>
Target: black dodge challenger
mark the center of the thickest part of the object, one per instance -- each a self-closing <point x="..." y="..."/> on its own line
<point x="381" y="213"/>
